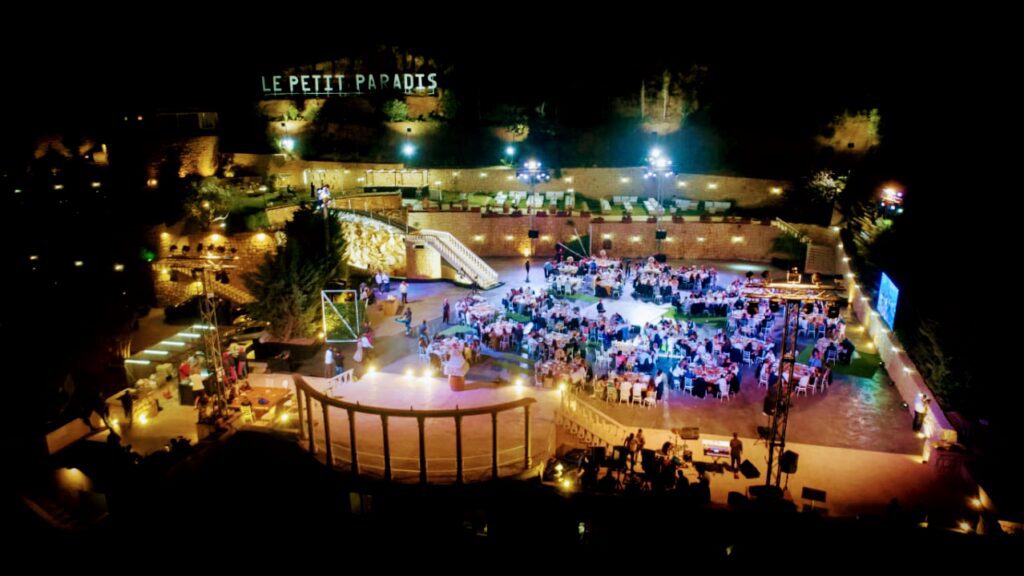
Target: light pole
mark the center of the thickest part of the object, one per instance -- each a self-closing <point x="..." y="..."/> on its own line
<point x="658" y="166"/>
<point x="532" y="172"/>
<point x="408" y="149"/>
<point x="510" y="153"/>
<point x="287" y="143"/>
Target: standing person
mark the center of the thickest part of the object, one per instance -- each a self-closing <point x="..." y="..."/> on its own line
<point x="735" y="454"/>
<point x="404" y="289"/>
<point x="339" y="362"/>
<point x="329" y="363"/>
<point x="387" y="281"/>
<point x="527" y="270"/>
<point x="920" y="409"/>
<point x="127" y="402"/>
<point x="445" y="311"/>
<point x="407" y="320"/>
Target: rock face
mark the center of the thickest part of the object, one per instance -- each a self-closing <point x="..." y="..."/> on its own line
<point x="379" y="246"/>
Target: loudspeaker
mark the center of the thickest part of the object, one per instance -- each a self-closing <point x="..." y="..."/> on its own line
<point x="534" y="234"/>
<point x="660" y="258"/>
<point x="752" y="308"/>
<point x="748" y="470"/>
<point x="809" y="308"/>
<point x="773" y="305"/>
<point x="833" y="312"/>
<point x="788" y="460"/>
<point x="606" y="244"/>
<point x="598" y="455"/>
<point x="737" y="499"/>
<point x="660" y="234"/>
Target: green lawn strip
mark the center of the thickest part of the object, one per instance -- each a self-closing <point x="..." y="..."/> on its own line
<point x="863" y="364"/>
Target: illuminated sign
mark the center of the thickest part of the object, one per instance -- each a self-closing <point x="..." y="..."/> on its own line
<point x="327" y="85"/>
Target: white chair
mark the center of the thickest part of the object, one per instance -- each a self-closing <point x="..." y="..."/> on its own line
<point x="624" y="395"/>
<point x="650" y="401"/>
<point x="803" y="385"/>
<point x="638" y="392"/>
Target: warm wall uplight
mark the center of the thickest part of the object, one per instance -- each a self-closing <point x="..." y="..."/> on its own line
<point x="546" y="238"/>
<point x="510" y="177"/>
<point x="95" y="184"/>
<point x="634" y="239"/>
<point x="509" y="237"/>
<point x="681" y="184"/>
<point x="58" y="186"/>
<point x="360" y="179"/>
<point x="34" y="257"/>
<point x="79" y="263"/>
<point x="567" y="179"/>
<point x="478" y="238"/>
<point x="624" y="180"/>
<point x="483" y="174"/>
<point x="260" y="237"/>
<point x="701" y="239"/>
<point x="776" y="190"/>
<point x="152" y="182"/>
<point x="216" y="237"/>
<point x="118" y="267"/>
<point x="606" y="236"/>
<point x="437" y="182"/>
<point x="737" y="239"/>
<point x="712" y="186"/>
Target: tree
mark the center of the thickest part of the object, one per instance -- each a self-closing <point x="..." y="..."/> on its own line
<point x="396" y="110"/>
<point x="287" y="284"/>
<point x="827" y="185"/>
<point x="449" y="104"/>
<point x="209" y="199"/>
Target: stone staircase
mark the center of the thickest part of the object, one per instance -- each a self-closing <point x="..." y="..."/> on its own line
<point x="459" y="256"/>
<point x="232" y="293"/>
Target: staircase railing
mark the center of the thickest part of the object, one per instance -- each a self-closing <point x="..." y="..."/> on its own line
<point x="457" y="254"/>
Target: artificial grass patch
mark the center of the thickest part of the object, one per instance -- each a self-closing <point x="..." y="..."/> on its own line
<point x="516" y="317"/>
<point x="863" y="364"/>
<point x="582" y="297"/>
<point x="453" y="330"/>
<point x="713" y="320"/>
